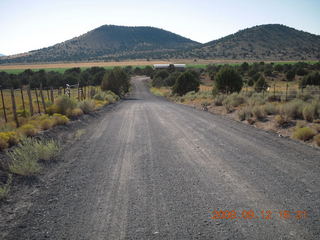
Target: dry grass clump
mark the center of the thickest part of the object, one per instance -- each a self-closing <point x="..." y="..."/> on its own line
<point x="293" y="109"/>
<point x="218" y="100"/>
<point x="24" y="158"/>
<point x="8" y="139"/>
<point x="87" y="106"/>
<point x="60" y="119"/>
<point x="244" y="113"/>
<point x="311" y="111"/>
<point x="76" y="112"/>
<point x="5" y="188"/>
<point x="270" y="109"/>
<point x="28" y="130"/>
<point x="46" y="150"/>
<point x="258" y="112"/>
<point x="111" y="97"/>
<point x="257" y="99"/>
<point x="281" y="120"/>
<point x="101" y="96"/>
<point x="46" y="124"/>
<point x="234" y="100"/>
<point x="63" y="104"/>
<point x="304" y="133"/>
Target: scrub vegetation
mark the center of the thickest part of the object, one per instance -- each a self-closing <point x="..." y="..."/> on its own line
<point x="275" y="97"/>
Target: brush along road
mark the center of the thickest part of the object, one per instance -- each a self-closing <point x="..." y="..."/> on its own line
<point x="152" y="169"/>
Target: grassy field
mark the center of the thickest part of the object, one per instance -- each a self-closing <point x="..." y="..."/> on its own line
<point x="61" y="67"/>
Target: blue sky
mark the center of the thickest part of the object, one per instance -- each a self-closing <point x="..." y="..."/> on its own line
<point x="32" y="24"/>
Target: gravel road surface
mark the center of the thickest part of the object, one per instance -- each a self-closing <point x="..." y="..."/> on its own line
<point x="152" y="169"/>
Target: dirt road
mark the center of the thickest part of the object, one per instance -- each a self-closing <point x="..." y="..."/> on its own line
<point x="151" y="169"/>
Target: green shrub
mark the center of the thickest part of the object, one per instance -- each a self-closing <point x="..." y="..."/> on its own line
<point x="228" y="80"/>
<point x="86" y="106"/>
<point x="64" y="103"/>
<point x="260" y="85"/>
<point x="186" y="82"/>
<point x="310" y="79"/>
<point x="117" y="81"/>
<point x="304" y="133"/>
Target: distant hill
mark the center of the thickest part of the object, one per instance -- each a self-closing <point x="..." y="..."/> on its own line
<point x="109" y="42"/>
<point x="114" y="43"/>
<point x="271" y="41"/>
<point x="1" y="55"/>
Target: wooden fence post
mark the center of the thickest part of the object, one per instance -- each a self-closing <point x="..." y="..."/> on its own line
<point x="30" y="100"/>
<point x="78" y="89"/>
<point x="3" y="106"/>
<point x="287" y="91"/>
<point x="22" y="98"/>
<point x="42" y="99"/>
<point x="51" y="92"/>
<point x="14" y="108"/>
<point x="48" y="94"/>
<point x="38" y="101"/>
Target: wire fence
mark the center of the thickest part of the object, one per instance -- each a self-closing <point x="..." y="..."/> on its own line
<point x="284" y="92"/>
<point x="23" y="102"/>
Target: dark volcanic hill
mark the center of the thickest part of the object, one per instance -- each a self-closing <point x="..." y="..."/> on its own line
<point x="113" y="43"/>
<point x="109" y="42"/>
<point x="271" y="41"/>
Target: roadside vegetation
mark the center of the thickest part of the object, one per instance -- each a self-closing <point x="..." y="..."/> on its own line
<point x="24" y="153"/>
<point x="284" y="98"/>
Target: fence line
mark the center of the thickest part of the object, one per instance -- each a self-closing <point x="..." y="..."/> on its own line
<point x="284" y="93"/>
<point x="14" y="103"/>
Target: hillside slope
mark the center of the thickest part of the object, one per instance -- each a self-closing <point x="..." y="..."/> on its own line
<point x="109" y="42"/>
<point x="113" y="43"/>
<point x="271" y="41"/>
